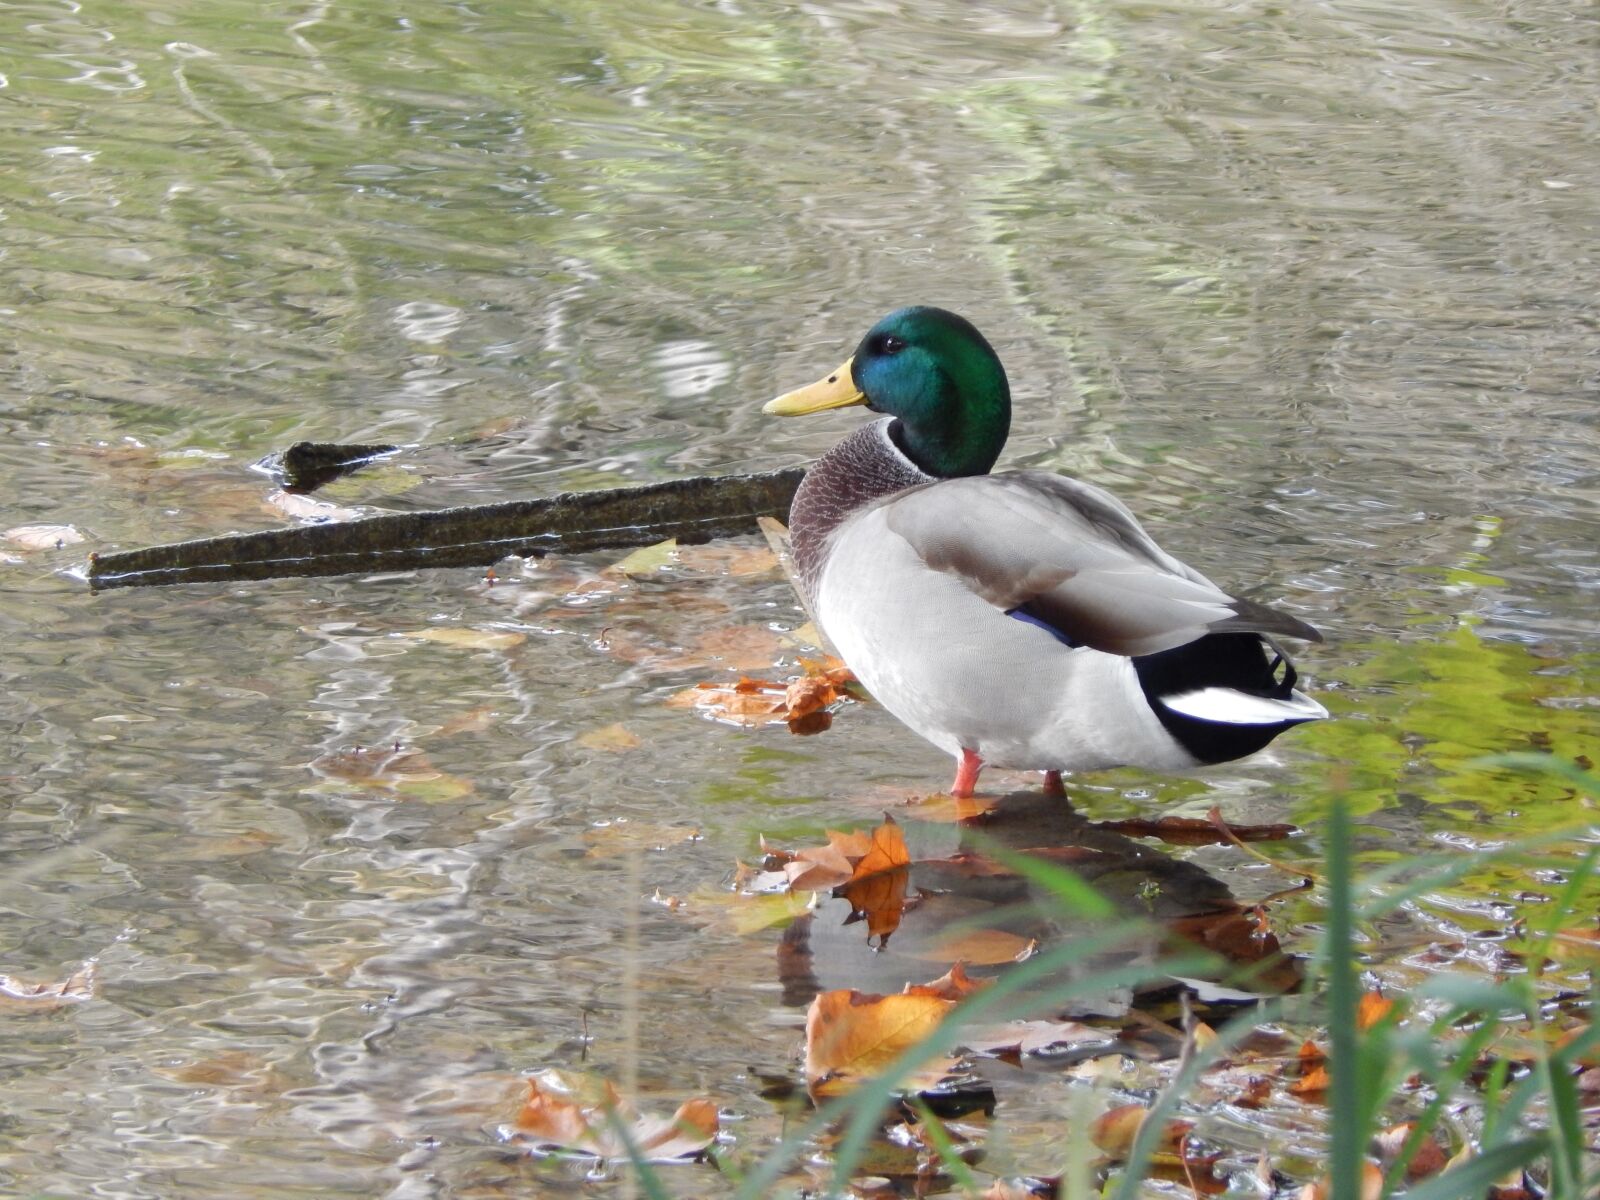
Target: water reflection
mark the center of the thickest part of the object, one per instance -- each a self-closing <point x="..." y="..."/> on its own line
<point x="961" y="899"/>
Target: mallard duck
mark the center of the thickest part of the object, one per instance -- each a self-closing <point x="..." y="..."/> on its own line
<point x="1020" y="619"/>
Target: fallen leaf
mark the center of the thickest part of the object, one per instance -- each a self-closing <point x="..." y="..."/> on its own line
<point x="1312" y="1085"/>
<point x="1372" y="1008"/>
<point x="887" y="850"/>
<point x="851" y="1035"/>
<point x="739" y="562"/>
<point x="474" y="720"/>
<point x="1016" y="1189"/>
<point x="469" y="639"/>
<point x="853" y="844"/>
<point x="617" y="837"/>
<point x="615" y="738"/>
<point x="1371" y="1186"/>
<point x="563" y="1114"/>
<point x="982" y="947"/>
<point x="1428" y="1160"/>
<point x="952" y="985"/>
<point x="745" y="913"/>
<point x="42" y="537"/>
<point x="645" y="561"/>
<point x="1114" y="1131"/>
<point x="818" y="869"/>
<point x="233" y="1070"/>
<point x="1257" y="1090"/>
<point x="26" y="995"/>
<point x="397" y="770"/>
<point x="748" y="703"/>
<point x="1578" y="946"/>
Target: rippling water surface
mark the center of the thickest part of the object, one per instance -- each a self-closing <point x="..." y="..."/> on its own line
<point x="1313" y="286"/>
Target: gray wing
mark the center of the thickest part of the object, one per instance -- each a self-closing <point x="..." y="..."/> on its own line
<point x="1076" y="558"/>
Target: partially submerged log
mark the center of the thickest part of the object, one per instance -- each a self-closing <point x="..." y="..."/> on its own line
<point x="306" y="466"/>
<point x="691" y="510"/>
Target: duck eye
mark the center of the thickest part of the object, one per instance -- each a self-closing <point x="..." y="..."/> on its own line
<point x="891" y="344"/>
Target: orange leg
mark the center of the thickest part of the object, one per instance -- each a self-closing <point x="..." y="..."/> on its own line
<point x="1052" y="784"/>
<point x="966" y="774"/>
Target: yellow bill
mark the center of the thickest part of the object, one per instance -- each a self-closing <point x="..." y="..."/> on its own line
<point x="836" y="390"/>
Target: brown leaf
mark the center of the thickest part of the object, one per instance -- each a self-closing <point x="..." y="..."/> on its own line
<point x="1311" y="1086"/>
<point x="851" y="1035"/>
<point x="1114" y="1132"/>
<point x="470" y="639"/>
<point x="689" y="1130"/>
<point x="403" y="772"/>
<point x="1257" y="1090"/>
<point x="887" y="851"/>
<point x="982" y="947"/>
<point x="573" y="1115"/>
<point x="622" y="836"/>
<point x="818" y="869"/>
<point x="854" y="845"/>
<point x="26" y="995"/>
<point x="1580" y="946"/>
<point x="1371" y="1185"/>
<point x="748" y="703"/>
<point x="723" y="558"/>
<point x="1372" y="1008"/>
<point x="952" y="985"/>
<point x="1428" y="1160"/>
<point x="616" y="738"/>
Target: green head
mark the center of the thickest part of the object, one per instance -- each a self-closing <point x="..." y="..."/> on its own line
<point x="935" y="373"/>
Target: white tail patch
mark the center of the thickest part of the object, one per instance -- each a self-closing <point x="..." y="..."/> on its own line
<point x="1240" y="708"/>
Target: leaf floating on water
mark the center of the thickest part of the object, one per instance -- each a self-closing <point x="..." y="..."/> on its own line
<point x="26" y="995"/>
<point x="853" y="1035"/>
<point x="1372" y="1008"/>
<point x="646" y="561"/>
<point x="616" y="738"/>
<point x="42" y="537"/>
<point x="616" y="837"/>
<point x="738" y="562"/>
<point x="405" y="773"/>
<point x="984" y="947"/>
<point x="1371" y="1186"/>
<point x="1429" y="1159"/>
<point x="801" y="703"/>
<point x="954" y="984"/>
<point x="470" y="639"/>
<point x="561" y="1113"/>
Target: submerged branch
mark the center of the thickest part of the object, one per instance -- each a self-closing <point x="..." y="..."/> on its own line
<point x="691" y="510"/>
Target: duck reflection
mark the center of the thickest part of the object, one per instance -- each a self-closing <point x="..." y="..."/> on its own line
<point x="958" y="899"/>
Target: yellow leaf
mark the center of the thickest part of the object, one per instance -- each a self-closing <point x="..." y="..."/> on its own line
<point x="981" y="947"/>
<point x="646" y="560"/>
<point x="470" y="639"/>
<point x="616" y="738"/>
<point x="851" y="1035"/>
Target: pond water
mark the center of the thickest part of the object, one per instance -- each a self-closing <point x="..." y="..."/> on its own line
<point x="1311" y="286"/>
